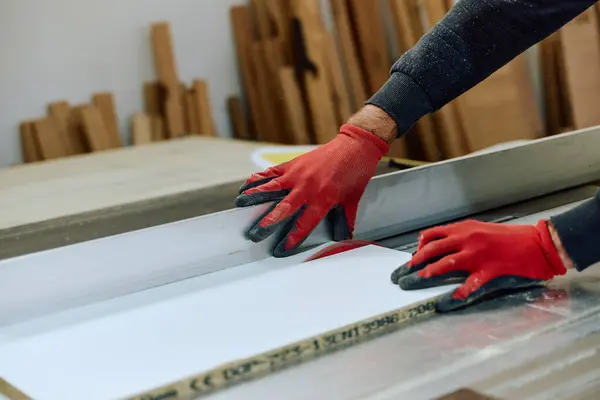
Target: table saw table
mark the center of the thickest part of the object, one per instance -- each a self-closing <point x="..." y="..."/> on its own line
<point x="538" y="344"/>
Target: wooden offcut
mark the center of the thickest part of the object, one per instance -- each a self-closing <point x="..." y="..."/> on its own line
<point x="294" y="107"/>
<point x="580" y="44"/>
<point x="447" y="120"/>
<point x="106" y="104"/>
<point x="191" y="112"/>
<point x="95" y="128"/>
<point x="49" y="139"/>
<point x="239" y="125"/>
<point x="60" y="111"/>
<point x="341" y="16"/>
<point x="10" y="392"/>
<point x="141" y="128"/>
<point x="166" y="69"/>
<point x="158" y="128"/>
<point x="339" y="92"/>
<point x="310" y="33"/>
<point x="206" y="125"/>
<point x="243" y="34"/>
<point x="556" y="100"/>
<point x="409" y="30"/>
<point x="29" y="147"/>
<point x="153" y="98"/>
<point x="371" y="39"/>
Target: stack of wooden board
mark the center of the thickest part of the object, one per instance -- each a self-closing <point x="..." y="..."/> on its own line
<point x="570" y="62"/>
<point x="321" y="86"/>
<point x="171" y="110"/>
<point x="302" y="80"/>
<point x="69" y="130"/>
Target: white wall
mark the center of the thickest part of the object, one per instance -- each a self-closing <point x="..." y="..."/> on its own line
<point x="67" y="49"/>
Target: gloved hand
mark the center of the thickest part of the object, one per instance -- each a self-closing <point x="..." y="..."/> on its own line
<point x="486" y="257"/>
<point x="328" y="181"/>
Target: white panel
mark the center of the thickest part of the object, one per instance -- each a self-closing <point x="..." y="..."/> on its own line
<point x="138" y="349"/>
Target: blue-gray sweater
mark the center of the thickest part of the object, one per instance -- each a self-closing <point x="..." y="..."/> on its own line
<point x="476" y="38"/>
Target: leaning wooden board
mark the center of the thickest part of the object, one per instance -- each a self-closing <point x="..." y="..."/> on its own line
<point x="580" y="44"/>
<point x="208" y="338"/>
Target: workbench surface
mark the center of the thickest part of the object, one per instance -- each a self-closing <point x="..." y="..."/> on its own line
<point x="53" y="189"/>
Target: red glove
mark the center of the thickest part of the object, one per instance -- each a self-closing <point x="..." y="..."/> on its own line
<point x="487" y="257"/>
<point x="327" y="181"/>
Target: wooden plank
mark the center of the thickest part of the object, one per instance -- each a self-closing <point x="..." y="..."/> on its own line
<point x="341" y="16"/>
<point x="10" y="392"/>
<point x="280" y="15"/>
<point x="409" y="30"/>
<point x="294" y="107"/>
<point x="580" y="44"/>
<point x="264" y="28"/>
<point x="309" y="36"/>
<point x="242" y="31"/>
<point x="75" y="129"/>
<point x="407" y="24"/>
<point x="95" y="128"/>
<point x="141" y="128"/>
<point x="274" y="60"/>
<point x="59" y="110"/>
<point x="272" y="125"/>
<point x="166" y="69"/>
<point x="501" y="117"/>
<point x="164" y="53"/>
<point x="29" y="146"/>
<point x="561" y="74"/>
<point x="447" y="120"/>
<point x="501" y="108"/>
<point x="49" y="140"/>
<point x="201" y="96"/>
<point x="339" y="91"/>
<point x="375" y="57"/>
<point x="239" y="124"/>
<point x="193" y="121"/>
<point x="106" y="104"/>
<point x="158" y="128"/>
<point x="153" y="98"/>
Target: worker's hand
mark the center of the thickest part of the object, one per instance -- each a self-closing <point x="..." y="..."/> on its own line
<point x="328" y="181"/>
<point x="486" y="257"/>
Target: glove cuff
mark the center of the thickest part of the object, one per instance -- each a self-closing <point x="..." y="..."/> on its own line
<point x="549" y="249"/>
<point x="365" y="136"/>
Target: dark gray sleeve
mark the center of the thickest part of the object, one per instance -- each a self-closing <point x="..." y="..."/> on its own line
<point x="579" y="232"/>
<point x="475" y="38"/>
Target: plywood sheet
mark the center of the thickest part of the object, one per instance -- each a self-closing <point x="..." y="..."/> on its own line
<point x="221" y="329"/>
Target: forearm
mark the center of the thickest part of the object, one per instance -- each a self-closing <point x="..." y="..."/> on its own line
<point x="476" y="38"/>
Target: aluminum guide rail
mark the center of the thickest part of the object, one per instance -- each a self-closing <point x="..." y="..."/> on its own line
<point x="394" y="203"/>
